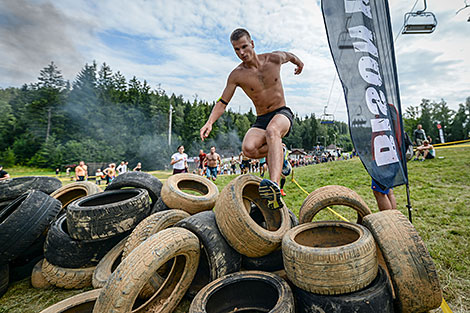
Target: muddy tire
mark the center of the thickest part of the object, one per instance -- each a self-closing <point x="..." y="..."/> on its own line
<point x="159" y="206"/>
<point x="376" y="297"/>
<point x="11" y="189"/>
<point x="331" y="195"/>
<point x="67" y="278"/>
<point x="37" y="279"/>
<point x="71" y="192"/>
<point x="175" y="197"/>
<point x="107" y="214"/>
<point x="4" y="278"/>
<point x="250" y="291"/>
<point x="62" y="250"/>
<point x="409" y="264"/>
<point x="81" y="303"/>
<point x="138" y="180"/>
<point x="108" y="264"/>
<point x="217" y="257"/>
<point x="330" y="257"/>
<point x="232" y="213"/>
<point x="148" y="227"/>
<point x="124" y="285"/>
<point x="23" y="221"/>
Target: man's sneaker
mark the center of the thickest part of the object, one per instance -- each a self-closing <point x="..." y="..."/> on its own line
<point x="286" y="166"/>
<point x="283" y="193"/>
<point x="270" y="191"/>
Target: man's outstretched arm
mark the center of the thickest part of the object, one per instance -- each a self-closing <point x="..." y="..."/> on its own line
<point x="290" y="57"/>
<point x="219" y="107"/>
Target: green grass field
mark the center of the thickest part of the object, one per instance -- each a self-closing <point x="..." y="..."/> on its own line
<point x="440" y="193"/>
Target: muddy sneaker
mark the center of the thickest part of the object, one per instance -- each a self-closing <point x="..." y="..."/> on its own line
<point x="286" y="167"/>
<point x="270" y="191"/>
<point x="283" y="193"/>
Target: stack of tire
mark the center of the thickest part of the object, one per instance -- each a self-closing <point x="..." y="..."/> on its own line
<point x="26" y="211"/>
<point x="230" y="253"/>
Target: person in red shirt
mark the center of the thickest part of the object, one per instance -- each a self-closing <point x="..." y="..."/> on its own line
<point x="202" y="156"/>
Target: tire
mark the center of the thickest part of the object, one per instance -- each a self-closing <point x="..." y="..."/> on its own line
<point x="71" y="192"/>
<point x="121" y="290"/>
<point x="148" y="227"/>
<point x="108" y="264"/>
<point x="376" y="297"/>
<point x="138" y="180"/>
<point x="236" y="225"/>
<point x="330" y="257"/>
<point x="326" y="196"/>
<point x="11" y="189"/>
<point x="409" y="264"/>
<point x="37" y="279"/>
<point x="81" y="303"/>
<point x="245" y="292"/>
<point x="62" y="250"/>
<point x="107" y="214"/>
<point x="217" y="257"/>
<point x="4" y="278"/>
<point x="67" y="278"/>
<point x="23" y="221"/>
<point x="159" y="206"/>
<point x="174" y="197"/>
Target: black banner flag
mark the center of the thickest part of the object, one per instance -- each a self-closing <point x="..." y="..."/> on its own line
<point x="360" y="39"/>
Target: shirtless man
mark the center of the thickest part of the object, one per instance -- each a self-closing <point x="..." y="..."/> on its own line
<point x="212" y="160"/>
<point x="259" y="77"/>
<point x="81" y="172"/>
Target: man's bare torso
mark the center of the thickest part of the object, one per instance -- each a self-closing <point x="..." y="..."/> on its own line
<point x="81" y="170"/>
<point x="263" y="84"/>
<point x="212" y="159"/>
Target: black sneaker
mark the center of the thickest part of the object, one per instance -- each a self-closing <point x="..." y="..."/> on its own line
<point x="270" y="191"/>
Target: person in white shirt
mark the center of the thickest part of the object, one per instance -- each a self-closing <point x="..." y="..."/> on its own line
<point x="179" y="161"/>
<point x="122" y="168"/>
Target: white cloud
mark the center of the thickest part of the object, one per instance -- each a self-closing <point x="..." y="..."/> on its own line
<point x="193" y="37"/>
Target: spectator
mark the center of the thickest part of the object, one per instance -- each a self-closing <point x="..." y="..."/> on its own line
<point x="57" y="171"/>
<point x="138" y="168"/>
<point x="179" y="160"/>
<point x="98" y="174"/>
<point x="244" y="163"/>
<point x="419" y="135"/>
<point x="122" y="168"/>
<point x="385" y="197"/>
<point x="67" y="171"/>
<point x="127" y="166"/>
<point x="110" y="173"/>
<point x="202" y="157"/>
<point x="263" y="167"/>
<point x="426" y="150"/>
<point x="81" y="172"/>
<point x="213" y="160"/>
<point x="3" y="174"/>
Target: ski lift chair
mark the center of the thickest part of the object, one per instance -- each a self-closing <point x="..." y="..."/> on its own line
<point x="419" y="22"/>
<point x="327" y="119"/>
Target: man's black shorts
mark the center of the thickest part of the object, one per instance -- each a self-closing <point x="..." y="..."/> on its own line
<point x="262" y="121"/>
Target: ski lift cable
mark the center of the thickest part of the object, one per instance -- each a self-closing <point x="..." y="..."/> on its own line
<point x="403" y="25"/>
<point x="466" y="6"/>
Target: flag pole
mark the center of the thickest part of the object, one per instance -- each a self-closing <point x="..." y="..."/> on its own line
<point x="408" y="205"/>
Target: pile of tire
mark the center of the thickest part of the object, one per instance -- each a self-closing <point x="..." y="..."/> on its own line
<point x="229" y="252"/>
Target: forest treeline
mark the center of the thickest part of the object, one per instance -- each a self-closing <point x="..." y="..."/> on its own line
<point x="103" y="117"/>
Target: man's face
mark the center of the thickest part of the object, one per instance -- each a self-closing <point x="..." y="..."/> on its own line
<point x="212" y="149"/>
<point x="420" y="126"/>
<point x="244" y="48"/>
<point x="82" y="163"/>
<point x="181" y="150"/>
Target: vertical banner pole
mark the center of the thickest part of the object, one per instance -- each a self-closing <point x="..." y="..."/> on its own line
<point x="409" y="201"/>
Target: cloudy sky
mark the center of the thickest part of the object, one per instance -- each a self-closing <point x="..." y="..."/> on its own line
<point x="183" y="46"/>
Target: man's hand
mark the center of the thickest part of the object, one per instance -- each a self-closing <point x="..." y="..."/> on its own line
<point x="205" y="131"/>
<point x="299" y="67"/>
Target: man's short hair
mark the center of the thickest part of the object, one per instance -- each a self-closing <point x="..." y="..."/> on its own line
<point x="239" y="33"/>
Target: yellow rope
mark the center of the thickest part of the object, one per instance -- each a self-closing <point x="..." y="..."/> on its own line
<point x="447" y="147"/>
<point x="451" y="143"/>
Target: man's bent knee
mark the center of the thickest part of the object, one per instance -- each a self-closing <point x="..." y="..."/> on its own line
<point x="273" y="133"/>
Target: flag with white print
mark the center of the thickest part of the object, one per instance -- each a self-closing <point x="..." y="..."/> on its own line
<point x="361" y="43"/>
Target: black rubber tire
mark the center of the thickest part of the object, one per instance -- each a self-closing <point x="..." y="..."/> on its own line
<point x="23" y="221"/>
<point x="11" y="189"/>
<point x="37" y="279"/>
<point x="81" y="303"/>
<point x="121" y="290"/>
<point x="71" y="192"/>
<point x="271" y="262"/>
<point x="62" y="250"/>
<point x="330" y="257"/>
<point x="138" y="180"/>
<point x="67" y="278"/>
<point x="175" y="197"/>
<point x="108" y="264"/>
<point x="250" y="291"/>
<point x="4" y="278"/>
<point x="159" y="206"/>
<point x="107" y="214"/>
<point x="217" y="257"/>
<point x="411" y="268"/>
<point x="236" y="225"/>
<point x="376" y="297"/>
<point x="331" y="195"/>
